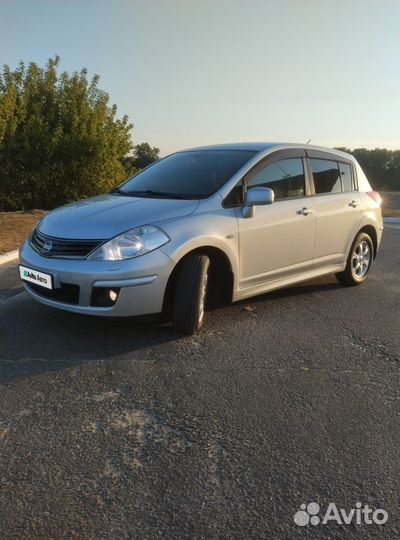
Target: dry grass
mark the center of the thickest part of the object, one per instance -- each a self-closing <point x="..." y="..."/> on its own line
<point x="388" y="212"/>
<point x="390" y="203"/>
<point x="15" y="227"/>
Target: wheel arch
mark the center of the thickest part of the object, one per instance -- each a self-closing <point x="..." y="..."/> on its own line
<point x="371" y="231"/>
<point x="221" y="279"/>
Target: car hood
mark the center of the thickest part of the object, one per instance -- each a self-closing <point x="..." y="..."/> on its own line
<point x="108" y="215"/>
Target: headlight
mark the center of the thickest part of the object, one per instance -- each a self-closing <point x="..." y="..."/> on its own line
<point x="131" y="244"/>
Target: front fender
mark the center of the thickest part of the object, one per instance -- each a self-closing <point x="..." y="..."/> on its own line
<point x="218" y="229"/>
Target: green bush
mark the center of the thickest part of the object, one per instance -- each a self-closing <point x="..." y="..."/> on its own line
<point x="60" y="139"/>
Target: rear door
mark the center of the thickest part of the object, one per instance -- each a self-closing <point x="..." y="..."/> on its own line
<point x="337" y="206"/>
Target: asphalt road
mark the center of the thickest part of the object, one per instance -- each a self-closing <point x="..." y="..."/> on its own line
<point x="114" y="429"/>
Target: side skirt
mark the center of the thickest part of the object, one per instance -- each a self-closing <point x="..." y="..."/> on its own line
<point x="254" y="290"/>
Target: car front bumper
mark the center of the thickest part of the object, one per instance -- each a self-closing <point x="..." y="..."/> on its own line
<point x="141" y="282"/>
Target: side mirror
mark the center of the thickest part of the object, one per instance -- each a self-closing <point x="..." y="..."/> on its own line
<point x="256" y="196"/>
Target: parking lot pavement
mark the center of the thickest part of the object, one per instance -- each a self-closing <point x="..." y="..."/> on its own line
<point x="114" y="429"/>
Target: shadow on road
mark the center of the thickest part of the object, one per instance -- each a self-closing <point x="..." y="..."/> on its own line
<point x="36" y="339"/>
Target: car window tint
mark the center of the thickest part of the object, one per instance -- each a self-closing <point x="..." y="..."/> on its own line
<point x="285" y="177"/>
<point x="326" y="176"/>
<point x="235" y="197"/>
<point x="346" y="176"/>
<point x="194" y="174"/>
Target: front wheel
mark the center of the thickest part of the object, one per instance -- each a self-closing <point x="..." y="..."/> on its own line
<point x="359" y="261"/>
<point x="190" y="294"/>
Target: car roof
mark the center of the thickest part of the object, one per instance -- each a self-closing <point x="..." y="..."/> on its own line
<point x="251" y="146"/>
<point x="263" y="146"/>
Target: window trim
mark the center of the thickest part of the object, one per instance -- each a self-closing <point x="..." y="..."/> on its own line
<point x="306" y="154"/>
<point x="279" y="155"/>
<point x="326" y="156"/>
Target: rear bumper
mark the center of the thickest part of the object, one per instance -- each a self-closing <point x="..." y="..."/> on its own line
<point x="142" y="282"/>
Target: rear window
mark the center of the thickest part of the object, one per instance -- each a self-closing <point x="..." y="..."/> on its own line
<point x="346" y="176"/>
<point x="331" y="176"/>
<point x="326" y="176"/>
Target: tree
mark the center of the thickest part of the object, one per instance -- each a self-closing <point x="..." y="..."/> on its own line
<point x="144" y="155"/>
<point x="381" y="166"/>
<point x="60" y="139"/>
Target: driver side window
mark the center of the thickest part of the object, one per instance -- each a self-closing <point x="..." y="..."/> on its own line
<point x="285" y="177"/>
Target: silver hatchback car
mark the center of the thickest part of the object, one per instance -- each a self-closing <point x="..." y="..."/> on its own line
<point x="207" y="226"/>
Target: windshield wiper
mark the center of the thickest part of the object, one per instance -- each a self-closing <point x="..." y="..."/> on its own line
<point x="118" y="191"/>
<point x="161" y="194"/>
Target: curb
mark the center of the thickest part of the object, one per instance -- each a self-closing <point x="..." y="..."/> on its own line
<point x="10" y="256"/>
<point x="391" y="220"/>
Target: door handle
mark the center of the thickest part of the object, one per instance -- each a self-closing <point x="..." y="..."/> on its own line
<point x="354" y="204"/>
<point x="304" y="211"/>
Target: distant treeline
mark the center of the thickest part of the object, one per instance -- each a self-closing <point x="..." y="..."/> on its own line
<point x="61" y="140"/>
<point x="381" y="166"/>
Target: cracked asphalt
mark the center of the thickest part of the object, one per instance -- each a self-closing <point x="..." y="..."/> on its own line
<point x="115" y="429"/>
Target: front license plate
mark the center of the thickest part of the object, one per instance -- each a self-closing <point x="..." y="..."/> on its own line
<point x="38" y="278"/>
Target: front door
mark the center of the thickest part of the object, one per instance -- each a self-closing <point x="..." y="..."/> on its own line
<point x="279" y="239"/>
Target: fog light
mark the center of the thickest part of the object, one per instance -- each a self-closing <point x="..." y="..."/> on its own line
<point x="113" y="295"/>
<point x="104" y="296"/>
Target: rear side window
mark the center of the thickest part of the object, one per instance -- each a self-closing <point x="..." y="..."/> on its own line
<point x="326" y="176"/>
<point x="346" y="176"/>
<point x="285" y="177"/>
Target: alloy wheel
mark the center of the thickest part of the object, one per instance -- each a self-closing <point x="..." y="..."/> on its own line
<point x="361" y="259"/>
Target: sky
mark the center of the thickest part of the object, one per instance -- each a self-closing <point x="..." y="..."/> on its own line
<point x="192" y="72"/>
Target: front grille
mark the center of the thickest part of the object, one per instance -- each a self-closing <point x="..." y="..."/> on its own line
<point x="49" y="246"/>
<point x="67" y="292"/>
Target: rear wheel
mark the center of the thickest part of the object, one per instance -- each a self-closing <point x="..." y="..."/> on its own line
<point x="190" y="294"/>
<point x="359" y="261"/>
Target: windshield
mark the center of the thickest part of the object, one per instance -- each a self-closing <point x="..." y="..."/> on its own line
<point x="186" y="175"/>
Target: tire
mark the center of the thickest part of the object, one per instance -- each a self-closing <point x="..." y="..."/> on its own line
<point x="359" y="262"/>
<point x="190" y="295"/>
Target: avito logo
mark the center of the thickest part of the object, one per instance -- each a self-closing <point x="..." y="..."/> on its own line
<point x="360" y="514"/>
<point x="29" y="274"/>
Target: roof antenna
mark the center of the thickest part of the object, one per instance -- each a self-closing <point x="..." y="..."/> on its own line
<point x="309" y="140"/>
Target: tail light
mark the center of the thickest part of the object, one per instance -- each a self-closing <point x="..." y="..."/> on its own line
<point x="375" y="195"/>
